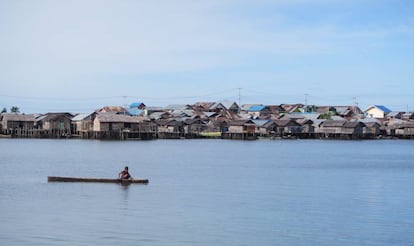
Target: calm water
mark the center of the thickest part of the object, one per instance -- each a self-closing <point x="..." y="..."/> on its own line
<point x="208" y="192"/>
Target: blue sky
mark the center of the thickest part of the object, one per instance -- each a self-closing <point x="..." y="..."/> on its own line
<point x="78" y="56"/>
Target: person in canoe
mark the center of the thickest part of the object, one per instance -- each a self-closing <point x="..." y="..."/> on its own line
<point x="124" y="174"/>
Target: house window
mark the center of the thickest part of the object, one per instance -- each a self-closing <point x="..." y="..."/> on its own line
<point x="127" y="125"/>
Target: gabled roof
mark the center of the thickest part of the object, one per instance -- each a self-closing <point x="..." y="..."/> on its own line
<point x="394" y="114"/>
<point x="260" y="122"/>
<point x="224" y="104"/>
<point x="305" y="121"/>
<point x="353" y="124"/>
<point x="158" y="115"/>
<point x="155" y="109"/>
<point x="408" y="114"/>
<point x="406" y="124"/>
<point x="174" y="107"/>
<point x="54" y="116"/>
<point x="139" y="105"/>
<point x="183" y="113"/>
<point x="240" y="122"/>
<point x="291" y="107"/>
<point x="245" y="116"/>
<point x="117" y="109"/>
<point x="333" y="123"/>
<point x="135" y="111"/>
<point x="210" y="114"/>
<point x="245" y="107"/>
<point x="202" y="105"/>
<point x="380" y="107"/>
<point x="194" y="121"/>
<point x="18" y="117"/>
<point x="276" y="108"/>
<point x="119" y="118"/>
<point x="169" y="122"/>
<point x="229" y="104"/>
<point x="383" y="108"/>
<point x="256" y="108"/>
<point x="370" y="121"/>
<point x="285" y="123"/>
<point x="80" y="117"/>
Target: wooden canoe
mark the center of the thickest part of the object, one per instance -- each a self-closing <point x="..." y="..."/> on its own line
<point x="97" y="180"/>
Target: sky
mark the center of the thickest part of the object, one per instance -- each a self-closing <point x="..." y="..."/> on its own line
<point x="80" y="55"/>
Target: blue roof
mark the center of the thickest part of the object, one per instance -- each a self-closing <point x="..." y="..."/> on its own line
<point x="135" y="112"/>
<point x="383" y="108"/>
<point x="135" y="104"/>
<point x="256" y="108"/>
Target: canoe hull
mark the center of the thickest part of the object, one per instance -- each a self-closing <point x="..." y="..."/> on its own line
<point x="97" y="180"/>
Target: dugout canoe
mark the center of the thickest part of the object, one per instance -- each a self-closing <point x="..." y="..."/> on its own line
<point x="97" y="180"/>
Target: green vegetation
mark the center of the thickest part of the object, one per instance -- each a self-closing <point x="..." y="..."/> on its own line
<point x="327" y="115"/>
<point x="14" y="109"/>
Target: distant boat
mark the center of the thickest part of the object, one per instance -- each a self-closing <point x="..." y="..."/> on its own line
<point x="97" y="180"/>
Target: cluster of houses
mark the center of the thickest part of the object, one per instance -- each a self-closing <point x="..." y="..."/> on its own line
<point x="225" y="120"/>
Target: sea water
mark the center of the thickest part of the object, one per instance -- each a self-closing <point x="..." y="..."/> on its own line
<point x="208" y="192"/>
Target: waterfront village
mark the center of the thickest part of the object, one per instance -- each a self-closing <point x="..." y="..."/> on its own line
<point x="226" y="120"/>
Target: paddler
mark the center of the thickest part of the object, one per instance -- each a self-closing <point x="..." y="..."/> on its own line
<point x="124" y="174"/>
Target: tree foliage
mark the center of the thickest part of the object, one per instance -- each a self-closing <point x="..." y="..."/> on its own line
<point x="14" y="109"/>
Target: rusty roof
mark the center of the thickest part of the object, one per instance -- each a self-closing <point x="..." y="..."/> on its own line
<point x="119" y="118"/>
<point x="18" y="117"/>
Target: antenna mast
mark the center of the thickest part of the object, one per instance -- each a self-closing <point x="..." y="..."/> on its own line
<point x="239" y="95"/>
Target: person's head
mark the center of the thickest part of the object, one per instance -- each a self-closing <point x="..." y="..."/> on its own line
<point x="126" y="168"/>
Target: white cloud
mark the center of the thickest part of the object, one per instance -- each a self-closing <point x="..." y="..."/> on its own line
<point x="46" y="44"/>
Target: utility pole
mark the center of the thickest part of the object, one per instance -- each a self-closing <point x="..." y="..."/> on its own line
<point x="239" y="88"/>
<point x="239" y="95"/>
<point x="125" y="105"/>
<point x="306" y="102"/>
<point x="355" y="101"/>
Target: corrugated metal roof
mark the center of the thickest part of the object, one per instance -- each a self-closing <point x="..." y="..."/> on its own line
<point x="240" y="122"/>
<point x="136" y="104"/>
<point x="135" y="111"/>
<point x="285" y="123"/>
<point x="246" y="107"/>
<point x="333" y="123"/>
<point x="209" y="114"/>
<point x="383" y="108"/>
<point x="229" y="104"/>
<point x="18" y="117"/>
<point x="80" y="117"/>
<point x="158" y="115"/>
<point x="260" y="122"/>
<point x="117" y="118"/>
<point x="54" y="116"/>
<point x="337" y="117"/>
<point x="256" y="108"/>
<point x="112" y="109"/>
<point x="177" y="107"/>
<point x="352" y="124"/>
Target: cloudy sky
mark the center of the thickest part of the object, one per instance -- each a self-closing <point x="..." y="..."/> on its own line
<point x="78" y="56"/>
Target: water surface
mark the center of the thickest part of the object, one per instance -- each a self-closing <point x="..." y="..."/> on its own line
<point x="208" y="192"/>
